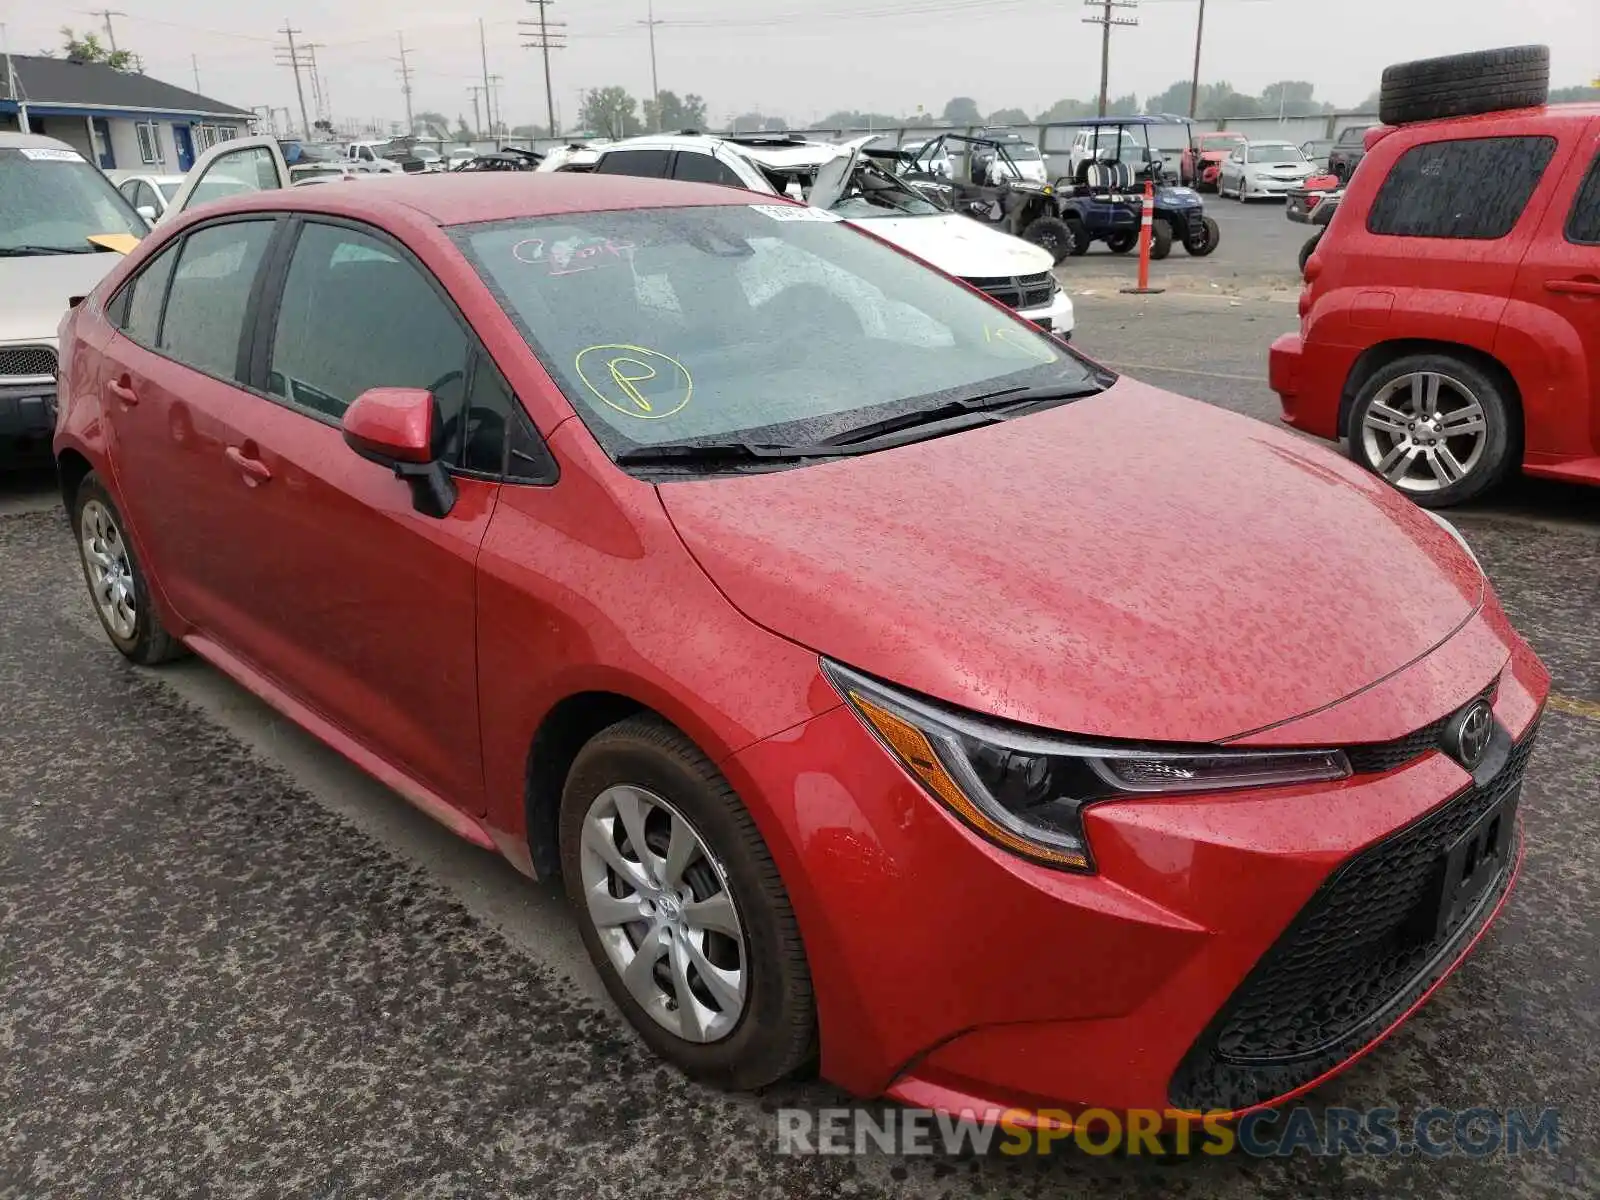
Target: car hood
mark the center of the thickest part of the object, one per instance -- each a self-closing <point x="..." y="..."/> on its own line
<point x="1131" y="565"/>
<point x="1215" y="156"/>
<point x="960" y="246"/>
<point x="34" y="291"/>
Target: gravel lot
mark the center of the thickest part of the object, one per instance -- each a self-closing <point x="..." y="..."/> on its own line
<point x="231" y="965"/>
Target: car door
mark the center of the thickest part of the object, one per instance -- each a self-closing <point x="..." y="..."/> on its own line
<point x="170" y="371"/>
<point x="1560" y="276"/>
<point x="232" y="168"/>
<point x="354" y="602"/>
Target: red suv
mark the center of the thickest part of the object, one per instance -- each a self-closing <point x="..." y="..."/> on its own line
<point x="807" y="613"/>
<point x="1450" y="323"/>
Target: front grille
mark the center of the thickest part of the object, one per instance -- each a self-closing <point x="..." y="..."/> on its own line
<point x="1378" y="757"/>
<point x="1363" y="949"/>
<point x="27" y="362"/>
<point x="1018" y="291"/>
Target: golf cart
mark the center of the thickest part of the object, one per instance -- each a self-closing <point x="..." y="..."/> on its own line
<point x="988" y="185"/>
<point x="1102" y="200"/>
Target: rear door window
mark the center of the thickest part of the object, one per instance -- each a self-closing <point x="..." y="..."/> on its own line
<point x="650" y="164"/>
<point x="145" y="296"/>
<point x="1583" y="226"/>
<point x="206" y="305"/>
<point x="702" y="168"/>
<point x="1473" y="189"/>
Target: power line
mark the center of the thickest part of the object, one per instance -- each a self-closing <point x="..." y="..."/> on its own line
<point x="551" y="35"/>
<point x="1105" y="19"/>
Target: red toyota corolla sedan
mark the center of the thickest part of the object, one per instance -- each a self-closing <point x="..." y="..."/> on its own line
<point x="892" y="688"/>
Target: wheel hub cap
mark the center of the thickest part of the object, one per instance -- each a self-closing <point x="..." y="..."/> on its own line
<point x="1424" y="431"/>
<point x="105" y="561"/>
<point x="659" y="900"/>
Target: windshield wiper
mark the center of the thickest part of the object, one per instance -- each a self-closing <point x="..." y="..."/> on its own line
<point x="31" y="251"/>
<point x="671" y="454"/>
<point x="988" y="404"/>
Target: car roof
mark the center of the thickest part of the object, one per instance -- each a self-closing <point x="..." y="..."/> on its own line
<point x="470" y="197"/>
<point x="777" y="150"/>
<point x="31" y="141"/>
<point x="1583" y="110"/>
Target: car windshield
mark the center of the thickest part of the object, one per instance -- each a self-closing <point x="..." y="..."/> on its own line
<point x="169" y="190"/>
<point x="426" y="152"/>
<point x="1220" y="141"/>
<point x="873" y="192"/>
<point x="52" y="201"/>
<point x="1022" y="151"/>
<point x="1267" y="152"/>
<point x="760" y="323"/>
<point x="309" y="152"/>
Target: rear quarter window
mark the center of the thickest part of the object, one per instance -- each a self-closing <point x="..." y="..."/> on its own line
<point x="1583" y="226"/>
<point x="1473" y="189"/>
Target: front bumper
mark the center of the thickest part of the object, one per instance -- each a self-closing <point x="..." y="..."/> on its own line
<point x="1057" y="316"/>
<point x="1272" y="187"/>
<point x="952" y="974"/>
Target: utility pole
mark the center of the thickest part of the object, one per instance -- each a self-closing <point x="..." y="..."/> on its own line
<point x="551" y="35"/>
<point x="405" y="86"/>
<point x="318" y="95"/>
<point x="493" y="101"/>
<point x="194" y="62"/>
<point x="655" y="87"/>
<point x="1194" y="87"/>
<point x="11" y="82"/>
<point x="105" y="14"/>
<point x="295" y="62"/>
<point x="477" y="122"/>
<point x="483" y="56"/>
<point x="1105" y="19"/>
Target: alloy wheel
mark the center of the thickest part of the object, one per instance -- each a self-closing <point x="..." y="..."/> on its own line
<point x="660" y="902"/>
<point x="1424" y="432"/>
<point x="111" y="581"/>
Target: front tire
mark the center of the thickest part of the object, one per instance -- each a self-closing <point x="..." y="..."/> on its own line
<point x="1437" y="427"/>
<point x="117" y="583"/>
<point x="1160" y="239"/>
<point x="1208" y="239"/>
<point x="1121" y="243"/>
<point x="1052" y="234"/>
<point x="682" y="910"/>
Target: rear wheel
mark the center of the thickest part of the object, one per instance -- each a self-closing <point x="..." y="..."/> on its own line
<point x="1464" y="85"/>
<point x="116" y="580"/>
<point x="1121" y="243"/>
<point x="1080" y="237"/>
<point x="1202" y="243"/>
<point x="1435" y="426"/>
<point x="682" y="910"/>
<point x="1309" y="249"/>
<point x="1160" y="239"/>
<point x="1052" y="234"/>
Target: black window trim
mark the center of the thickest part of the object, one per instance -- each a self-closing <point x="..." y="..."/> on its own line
<point x="262" y="323"/>
<point x="117" y="309"/>
<point x="1587" y="179"/>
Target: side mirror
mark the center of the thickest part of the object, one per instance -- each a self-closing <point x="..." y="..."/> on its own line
<point x="402" y="429"/>
<point x="147" y="211"/>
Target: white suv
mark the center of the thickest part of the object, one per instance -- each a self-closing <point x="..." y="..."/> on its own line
<point x="1015" y="272"/>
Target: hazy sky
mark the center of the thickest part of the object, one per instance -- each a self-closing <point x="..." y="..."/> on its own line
<point x="804" y="58"/>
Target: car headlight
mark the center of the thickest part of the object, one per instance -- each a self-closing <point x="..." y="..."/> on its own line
<point x="1027" y="791"/>
<point x="1449" y="527"/>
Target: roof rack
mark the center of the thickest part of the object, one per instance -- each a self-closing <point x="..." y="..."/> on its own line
<point x="765" y="139"/>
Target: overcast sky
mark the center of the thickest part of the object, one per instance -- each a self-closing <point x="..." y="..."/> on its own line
<point x="804" y="58"/>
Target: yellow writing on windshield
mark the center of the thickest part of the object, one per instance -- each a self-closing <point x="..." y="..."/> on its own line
<point x="634" y="380"/>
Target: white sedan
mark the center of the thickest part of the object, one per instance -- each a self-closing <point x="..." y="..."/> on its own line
<point x="150" y="194"/>
<point x="1256" y="169"/>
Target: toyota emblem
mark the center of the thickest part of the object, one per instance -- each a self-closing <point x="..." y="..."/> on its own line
<point x="1469" y="734"/>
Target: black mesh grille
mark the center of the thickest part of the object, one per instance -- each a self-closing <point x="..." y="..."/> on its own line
<point x="27" y="362"/>
<point x="1364" y="948"/>
<point x="1018" y="291"/>
<point x="1378" y="757"/>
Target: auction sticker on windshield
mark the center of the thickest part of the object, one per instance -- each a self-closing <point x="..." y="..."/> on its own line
<point x="50" y="154"/>
<point x="794" y="212"/>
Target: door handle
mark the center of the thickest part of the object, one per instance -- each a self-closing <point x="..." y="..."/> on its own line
<point x="254" y="470"/>
<point x="122" y="389"/>
<point x="1573" y="287"/>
